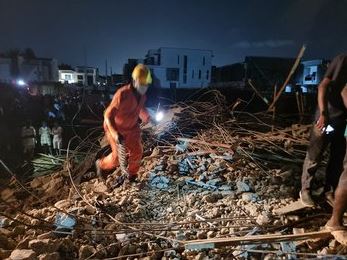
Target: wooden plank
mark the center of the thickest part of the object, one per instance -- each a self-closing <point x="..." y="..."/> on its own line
<point x="296" y="64"/>
<point x="253" y="239"/>
<point x="292" y="207"/>
<point x="189" y="140"/>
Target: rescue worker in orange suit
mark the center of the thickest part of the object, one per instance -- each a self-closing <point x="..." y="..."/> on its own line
<point x="121" y="123"/>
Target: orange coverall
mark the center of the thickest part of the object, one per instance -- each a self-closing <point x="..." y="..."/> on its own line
<point x="126" y="107"/>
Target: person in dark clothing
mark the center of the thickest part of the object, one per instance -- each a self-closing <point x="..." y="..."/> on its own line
<point x="328" y="129"/>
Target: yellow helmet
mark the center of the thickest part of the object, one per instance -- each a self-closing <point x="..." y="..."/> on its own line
<point x="143" y="74"/>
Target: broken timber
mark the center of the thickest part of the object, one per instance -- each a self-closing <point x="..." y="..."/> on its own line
<point x="254" y="239"/>
<point x="296" y="64"/>
<point x="292" y="207"/>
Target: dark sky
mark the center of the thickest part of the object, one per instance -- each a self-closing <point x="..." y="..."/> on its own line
<point x="118" y="30"/>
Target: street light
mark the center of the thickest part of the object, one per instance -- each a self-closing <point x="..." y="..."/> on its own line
<point x="21" y="82"/>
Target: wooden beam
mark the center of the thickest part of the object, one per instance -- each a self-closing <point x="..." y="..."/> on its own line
<point x="257" y="92"/>
<point x="254" y="239"/>
<point x="296" y="64"/>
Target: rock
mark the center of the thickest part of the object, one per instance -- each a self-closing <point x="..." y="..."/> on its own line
<point x="4" y="253"/>
<point x="45" y="235"/>
<point x="6" y="243"/>
<point x="276" y="180"/>
<point x="201" y="256"/>
<point x="297" y="231"/>
<point x="250" y="197"/>
<point x="252" y="209"/>
<point x="242" y="187"/>
<point x="18" y="230"/>
<point x="24" y="244"/>
<point x="263" y="219"/>
<point x="340" y="236"/>
<point x="62" y="204"/>
<point x="51" y="256"/>
<point x="5" y="232"/>
<point x="214" y="182"/>
<point x="201" y="235"/>
<point x="90" y="210"/>
<point x="4" y="222"/>
<point x="212" y="198"/>
<point x="225" y="188"/>
<point x="85" y="251"/>
<point x="7" y="193"/>
<point x="41" y="246"/>
<point x="23" y="254"/>
<point x="67" y="249"/>
<point x="211" y="234"/>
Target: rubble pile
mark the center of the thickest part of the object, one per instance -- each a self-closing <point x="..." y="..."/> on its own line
<point x="226" y="180"/>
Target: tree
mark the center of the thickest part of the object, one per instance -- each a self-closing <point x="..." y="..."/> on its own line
<point x="29" y="54"/>
<point x="64" y="66"/>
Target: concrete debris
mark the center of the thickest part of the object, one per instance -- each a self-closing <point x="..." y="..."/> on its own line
<point x="219" y="184"/>
<point x="23" y="254"/>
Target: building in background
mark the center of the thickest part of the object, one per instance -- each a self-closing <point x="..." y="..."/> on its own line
<point x="180" y="67"/>
<point x="31" y="70"/>
<point x="81" y="75"/>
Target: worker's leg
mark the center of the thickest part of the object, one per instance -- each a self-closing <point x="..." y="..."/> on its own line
<point x="318" y="143"/>
<point x="111" y="160"/>
<point x="340" y="203"/>
<point x="133" y="144"/>
<point x="337" y="154"/>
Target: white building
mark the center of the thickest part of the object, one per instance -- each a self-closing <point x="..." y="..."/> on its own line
<point x="179" y="67"/>
<point x="68" y="76"/>
<point x="82" y="75"/>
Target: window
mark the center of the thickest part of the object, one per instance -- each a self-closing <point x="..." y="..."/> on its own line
<point x="80" y="77"/>
<point x="68" y="77"/>
<point x="203" y="61"/>
<point x="192" y="74"/>
<point x="172" y="74"/>
<point x="207" y="74"/>
<point x="178" y="59"/>
<point x="199" y="74"/>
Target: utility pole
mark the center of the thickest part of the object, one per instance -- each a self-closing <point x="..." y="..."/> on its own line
<point x="106" y="71"/>
<point x="111" y="75"/>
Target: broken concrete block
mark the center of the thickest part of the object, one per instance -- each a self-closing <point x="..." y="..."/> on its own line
<point x="4" y="253"/>
<point x="23" y="254"/>
<point x="340" y="236"/>
<point x="51" y="256"/>
<point x="250" y="197"/>
<point x="7" y="194"/>
<point x="6" y="243"/>
<point x="41" y="246"/>
<point x="85" y="251"/>
<point x="242" y="187"/>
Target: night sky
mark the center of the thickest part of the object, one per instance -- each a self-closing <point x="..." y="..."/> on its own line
<point x="89" y="31"/>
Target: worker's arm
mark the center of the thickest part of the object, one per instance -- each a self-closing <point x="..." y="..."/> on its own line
<point x="322" y="103"/>
<point x="110" y="113"/>
<point x="144" y="115"/>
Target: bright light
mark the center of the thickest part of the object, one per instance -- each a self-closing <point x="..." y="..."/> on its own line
<point x="159" y="116"/>
<point x="21" y="82"/>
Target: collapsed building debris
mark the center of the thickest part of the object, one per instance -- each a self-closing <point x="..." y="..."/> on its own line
<point x="212" y="183"/>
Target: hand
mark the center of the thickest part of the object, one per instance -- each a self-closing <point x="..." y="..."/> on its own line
<point x="321" y="122"/>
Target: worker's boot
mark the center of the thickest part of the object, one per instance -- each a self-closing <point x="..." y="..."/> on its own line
<point x="306" y="199"/>
<point x="98" y="171"/>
